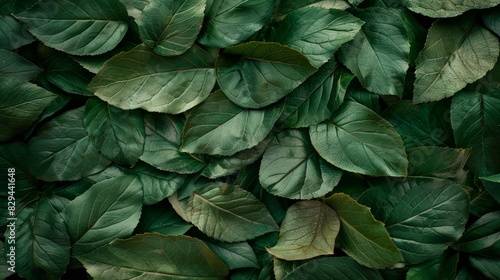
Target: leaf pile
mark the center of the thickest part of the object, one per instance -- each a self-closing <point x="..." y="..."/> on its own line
<point x="251" y="139"/>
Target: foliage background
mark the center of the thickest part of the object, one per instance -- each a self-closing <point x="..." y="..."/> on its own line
<point x="251" y="139"/>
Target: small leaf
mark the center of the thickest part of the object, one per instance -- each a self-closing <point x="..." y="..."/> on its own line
<point x="482" y="237"/>
<point x="229" y="214"/>
<point x="362" y="236"/>
<point x="14" y="65"/>
<point x="446" y="8"/>
<point x="156" y="256"/>
<point x="356" y="139"/>
<point x="208" y="130"/>
<point x="457" y="52"/>
<point x="234" y="255"/>
<point x="309" y="230"/>
<point x="77" y="26"/>
<point x="166" y="84"/>
<point x="436" y="162"/>
<point x="291" y="168"/>
<point x="170" y="26"/>
<point x="492" y="185"/>
<point x="13" y="34"/>
<point x="256" y="74"/>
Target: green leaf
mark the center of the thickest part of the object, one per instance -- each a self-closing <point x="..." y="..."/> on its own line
<point x="119" y="135"/>
<point x="287" y="6"/>
<point x="20" y="105"/>
<point x="379" y="54"/>
<point x="437" y="162"/>
<point x="168" y="84"/>
<point x="229" y="214"/>
<point x="77" y="26"/>
<point x="426" y="124"/>
<point x="316" y="32"/>
<point x="256" y="74"/>
<point x="356" y="139"/>
<point x="457" y="52"/>
<point x="229" y="22"/>
<point x="492" y="185"/>
<point x="234" y="255"/>
<point x="5" y="262"/>
<point x="135" y="7"/>
<point x="442" y="268"/>
<point x="62" y="151"/>
<point x="341" y="268"/>
<point x="309" y="230"/>
<point x="109" y="209"/>
<point x="15" y="155"/>
<point x="154" y="256"/>
<point x="482" y="237"/>
<point x="492" y="20"/>
<point x="161" y="218"/>
<point x="171" y="26"/>
<point x="361" y="236"/>
<point x="14" y="65"/>
<point x="161" y="148"/>
<point x="446" y="8"/>
<point x="474" y="118"/>
<point x="488" y="267"/>
<point x="317" y="97"/>
<point x="282" y="268"/>
<point x="291" y="168"/>
<point x="13" y="34"/>
<point x="208" y="130"/>
<point x="422" y="216"/>
<point x="41" y="241"/>
<point x="180" y="199"/>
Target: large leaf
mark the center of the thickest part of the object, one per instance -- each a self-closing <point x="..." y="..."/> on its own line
<point x="437" y="162"/>
<point x="20" y="105"/>
<point x="446" y="8"/>
<point x="422" y="215"/>
<point x="13" y="34"/>
<point x="482" y="237"/>
<point x="234" y="255"/>
<point x="171" y="26"/>
<point x="442" y="268"/>
<point x="457" y="51"/>
<point x="229" y="22"/>
<point x="209" y="130"/>
<point x="109" y="209"/>
<point x="229" y="213"/>
<point x="361" y="236"/>
<point x="256" y="74"/>
<point x="77" y="26"/>
<point x="14" y="65"/>
<point x="63" y="151"/>
<point x="166" y="84"/>
<point x="309" y="230"/>
<point x="292" y="168"/>
<point x="474" y="118"/>
<point x="379" y="54"/>
<point x="342" y="268"/>
<point x="117" y="134"/>
<point x="492" y="184"/>
<point x="154" y="256"/>
<point x="356" y="139"/>
<point x="316" y="32"/>
<point x="287" y="6"/>
<point x="42" y="242"/>
<point x="161" y="148"/>
<point x="489" y="267"/>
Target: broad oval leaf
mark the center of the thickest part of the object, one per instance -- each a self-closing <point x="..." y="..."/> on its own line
<point x="379" y="54"/>
<point x="316" y="32"/>
<point x="256" y="74"/>
<point x="171" y="26"/>
<point x="13" y="34"/>
<point x="361" y="236"/>
<point x="110" y="209"/>
<point x="77" y="26"/>
<point x="21" y="103"/>
<point x="457" y="51"/>
<point x="356" y="139"/>
<point x="62" y="150"/>
<point x="309" y="230"/>
<point x="229" y="213"/>
<point x="119" y="135"/>
<point x="208" y="130"/>
<point x="14" y="65"/>
<point x="229" y="22"/>
<point x="143" y="79"/>
<point x="446" y="8"/>
<point x="292" y="168"/>
<point x="422" y="215"/>
<point x="482" y="237"/>
<point x="154" y="256"/>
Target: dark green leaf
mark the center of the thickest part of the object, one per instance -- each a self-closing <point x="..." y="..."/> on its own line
<point x="109" y="209"/>
<point x="282" y="268"/>
<point x="436" y="162"/>
<point x="15" y="155"/>
<point x="291" y="168"/>
<point x="180" y="199"/>
<point x="5" y="265"/>
<point x="492" y="20"/>
<point x="467" y="273"/>
<point x="14" y="65"/>
<point x="356" y="139"/>
<point x="171" y="27"/>
<point x="482" y="237"/>
<point x="13" y="34"/>
<point x="442" y="268"/>
<point x="229" y="213"/>
<point x="446" y="8"/>
<point x="77" y="26"/>
<point x="161" y="218"/>
<point x="362" y="236"/>
<point x="457" y="52"/>
<point x="154" y="256"/>
<point x="256" y="74"/>
<point x="208" y="130"/>
<point x="287" y="6"/>
<point x="355" y="92"/>
<point x="234" y="255"/>
<point x="492" y="184"/>
<point x="488" y="267"/>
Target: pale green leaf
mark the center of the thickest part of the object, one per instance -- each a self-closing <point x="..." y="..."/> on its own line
<point x="14" y="65"/>
<point x="446" y="8"/>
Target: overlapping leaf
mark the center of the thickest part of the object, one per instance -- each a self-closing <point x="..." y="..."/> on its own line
<point x="14" y="65"/>
<point x="444" y="267"/>
<point x="161" y="218"/>
<point x="436" y="162"/>
<point x="492" y="184"/>
<point x="446" y="8"/>
<point x="234" y="255"/>
<point x="482" y="237"/>
<point x="13" y="33"/>
<point x="287" y="6"/>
